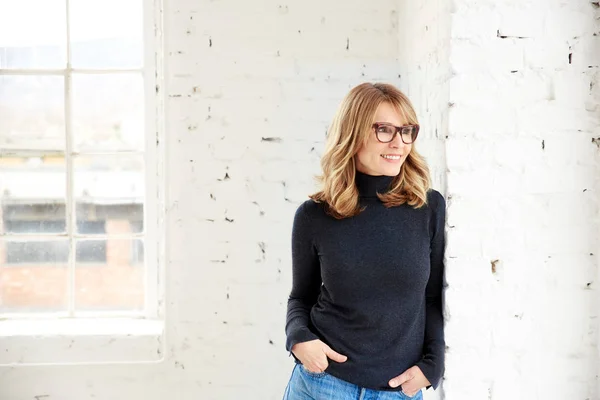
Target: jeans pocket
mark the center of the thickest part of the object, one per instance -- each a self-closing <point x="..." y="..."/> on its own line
<point x="417" y="396"/>
<point x="313" y="374"/>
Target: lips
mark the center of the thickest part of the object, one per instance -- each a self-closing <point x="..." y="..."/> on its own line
<point x="391" y="156"/>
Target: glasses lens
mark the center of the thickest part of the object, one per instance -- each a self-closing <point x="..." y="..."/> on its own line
<point x="385" y="133"/>
<point x="408" y="134"/>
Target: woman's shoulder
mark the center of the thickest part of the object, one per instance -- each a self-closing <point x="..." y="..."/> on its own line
<point x="435" y="199"/>
<point x="308" y="212"/>
<point x="434" y="195"/>
<point x="310" y="207"/>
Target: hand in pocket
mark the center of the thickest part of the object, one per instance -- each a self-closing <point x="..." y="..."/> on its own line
<point x="314" y="354"/>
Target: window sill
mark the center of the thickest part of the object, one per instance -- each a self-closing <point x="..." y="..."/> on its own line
<point x="81" y="341"/>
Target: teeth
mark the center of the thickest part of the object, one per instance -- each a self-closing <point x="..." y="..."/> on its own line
<point x="390" y="157"/>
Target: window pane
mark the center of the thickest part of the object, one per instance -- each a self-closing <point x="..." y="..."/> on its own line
<point x="36" y="252"/>
<point x="33" y="195"/>
<point x="33" y="275"/>
<point x="106" y="34"/>
<point x="137" y="226"/>
<point x="115" y="283"/>
<point x="31" y="227"/>
<point x="137" y="252"/>
<point x="91" y="251"/>
<point x="109" y="194"/>
<point x="89" y="227"/>
<point x="33" y="34"/>
<point x="32" y="113"/>
<point x="108" y="112"/>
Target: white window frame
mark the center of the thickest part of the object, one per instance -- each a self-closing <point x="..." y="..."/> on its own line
<point x="107" y="337"/>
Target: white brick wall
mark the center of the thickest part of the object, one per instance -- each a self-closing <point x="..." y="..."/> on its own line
<point x="524" y="197"/>
<point x="426" y="72"/>
<point x="508" y="129"/>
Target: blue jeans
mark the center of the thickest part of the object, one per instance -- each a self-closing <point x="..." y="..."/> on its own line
<point x="306" y="385"/>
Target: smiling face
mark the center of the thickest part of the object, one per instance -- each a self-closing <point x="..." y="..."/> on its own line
<point x="376" y="158"/>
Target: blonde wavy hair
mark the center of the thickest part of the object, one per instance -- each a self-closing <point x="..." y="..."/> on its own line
<point x="349" y="131"/>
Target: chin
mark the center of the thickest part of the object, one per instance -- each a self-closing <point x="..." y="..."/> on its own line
<point x="390" y="171"/>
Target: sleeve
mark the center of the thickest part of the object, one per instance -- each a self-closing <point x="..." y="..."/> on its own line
<point x="306" y="281"/>
<point x="432" y="361"/>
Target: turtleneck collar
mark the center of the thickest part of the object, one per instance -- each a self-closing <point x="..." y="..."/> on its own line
<point x="369" y="185"/>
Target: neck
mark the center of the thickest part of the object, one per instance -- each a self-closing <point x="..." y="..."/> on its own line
<point x="370" y="185"/>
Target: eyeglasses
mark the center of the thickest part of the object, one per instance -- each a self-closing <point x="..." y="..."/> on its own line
<point x="387" y="132"/>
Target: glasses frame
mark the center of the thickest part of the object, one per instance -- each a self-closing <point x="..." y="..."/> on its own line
<point x="398" y="130"/>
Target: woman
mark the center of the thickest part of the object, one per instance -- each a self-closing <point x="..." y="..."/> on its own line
<point x="364" y="317"/>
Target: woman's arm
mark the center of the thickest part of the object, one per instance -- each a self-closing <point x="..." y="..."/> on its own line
<point x="432" y="362"/>
<point x="306" y="280"/>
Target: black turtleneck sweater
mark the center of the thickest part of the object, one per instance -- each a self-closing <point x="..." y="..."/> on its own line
<point x="370" y="286"/>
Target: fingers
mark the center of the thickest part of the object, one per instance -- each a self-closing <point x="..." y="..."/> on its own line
<point x="316" y="365"/>
<point x="334" y="355"/>
<point x="400" y="379"/>
<point x="395" y="382"/>
<point x="314" y="355"/>
<point x="321" y="365"/>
